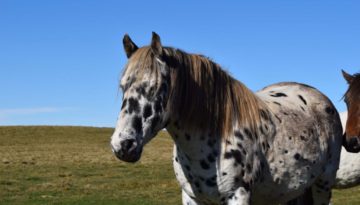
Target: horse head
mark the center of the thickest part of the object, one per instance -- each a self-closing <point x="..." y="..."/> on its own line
<point x="145" y="83"/>
<point x="352" y="100"/>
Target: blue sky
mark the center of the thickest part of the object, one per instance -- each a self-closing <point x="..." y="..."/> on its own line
<point x="60" y="61"/>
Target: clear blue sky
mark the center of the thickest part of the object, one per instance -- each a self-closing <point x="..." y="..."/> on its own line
<point x="60" y="61"/>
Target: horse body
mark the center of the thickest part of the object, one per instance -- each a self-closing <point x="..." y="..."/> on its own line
<point x="290" y="153"/>
<point x="232" y="146"/>
<point x="306" y="146"/>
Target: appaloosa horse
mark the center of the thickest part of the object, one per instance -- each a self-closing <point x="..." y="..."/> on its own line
<point x="232" y="146"/>
<point x="348" y="174"/>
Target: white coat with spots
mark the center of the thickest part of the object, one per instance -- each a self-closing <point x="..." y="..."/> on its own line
<point x="291" y="153"/>
<point x="282" y="144"/>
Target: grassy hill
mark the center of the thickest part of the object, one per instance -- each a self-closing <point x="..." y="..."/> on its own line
<point x="74" y="165"/>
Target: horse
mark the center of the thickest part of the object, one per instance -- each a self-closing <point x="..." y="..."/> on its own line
<point x="348" y="174"/>
<point x="232" y="146"/>
<point x="352" y="99"/>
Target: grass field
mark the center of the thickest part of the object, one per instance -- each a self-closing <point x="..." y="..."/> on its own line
<point x="74" y="165"/>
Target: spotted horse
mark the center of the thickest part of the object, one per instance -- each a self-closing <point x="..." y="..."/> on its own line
<point x="232" y="146"/>
<point x="348" y="174"/>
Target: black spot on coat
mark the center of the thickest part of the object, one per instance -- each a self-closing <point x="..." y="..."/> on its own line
<point x="302" y="99"/>
<point x="303" y="138"/>
<point x="238" y="134"/>
<point x="236" y="154"/>
<point x="137" y="124"/>
<point x="303" y="109"/>
<point x="204" y="164"/>
<point x="264" y="115"/>
<point x="147" y="111"/>
<point x="279" y="95"/>
<point x="277" y="117"/>
<point x="248" y="133"/>
<point x="141" y="90"/>
<point x="133" y="105"/>
<point x="228" y="155"/>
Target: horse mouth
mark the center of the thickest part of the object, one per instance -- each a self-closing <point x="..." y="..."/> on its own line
<point x="130" y="157"/>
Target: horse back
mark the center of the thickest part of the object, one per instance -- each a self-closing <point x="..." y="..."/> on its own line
<point x="307" y="138"/>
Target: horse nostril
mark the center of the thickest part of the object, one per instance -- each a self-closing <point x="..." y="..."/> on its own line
<point x="126" y="145"/>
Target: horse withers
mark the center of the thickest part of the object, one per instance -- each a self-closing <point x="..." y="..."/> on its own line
<point x="232" y="146"/>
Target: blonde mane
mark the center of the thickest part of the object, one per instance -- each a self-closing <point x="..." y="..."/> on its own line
<point x="202" y="95"/>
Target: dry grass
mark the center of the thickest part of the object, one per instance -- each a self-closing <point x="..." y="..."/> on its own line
<point x="74" y="165"/>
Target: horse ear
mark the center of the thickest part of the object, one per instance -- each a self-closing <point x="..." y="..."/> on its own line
<point x="129" y="46"/>
<point x="156" y="46"/>
<point x="349" y="78"/>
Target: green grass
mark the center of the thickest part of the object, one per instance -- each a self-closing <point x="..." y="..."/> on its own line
<point x="74" y="165"/>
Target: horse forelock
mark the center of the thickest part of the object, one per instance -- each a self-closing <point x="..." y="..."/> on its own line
<point x="141" y="63"/>
<point x="353" y="91"/>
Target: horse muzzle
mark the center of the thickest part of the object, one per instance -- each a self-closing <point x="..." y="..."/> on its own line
<point x="128" y="151"/>
<point x="351" y="143"/>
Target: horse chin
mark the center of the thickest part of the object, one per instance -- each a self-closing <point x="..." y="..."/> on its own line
<point x="132" y="159"/>
<point x="353" y="149"/>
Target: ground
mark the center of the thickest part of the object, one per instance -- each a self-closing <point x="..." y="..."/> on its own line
<point x="74" y="165"/>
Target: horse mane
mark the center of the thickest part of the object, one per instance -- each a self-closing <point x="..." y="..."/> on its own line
<point x="354" y="88"/>
<point x="202" y="94"/>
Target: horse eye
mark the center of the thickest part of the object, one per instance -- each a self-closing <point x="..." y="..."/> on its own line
<point x="346" y="99"/>
<point x="125" y="87"/>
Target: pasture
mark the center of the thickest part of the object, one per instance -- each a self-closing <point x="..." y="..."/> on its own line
<point x="74" y="165"/>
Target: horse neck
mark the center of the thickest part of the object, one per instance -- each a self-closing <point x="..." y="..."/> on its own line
<point x="193" y="117"/>
<point x="194" y="144"/>
<point x="203" y="95"/>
